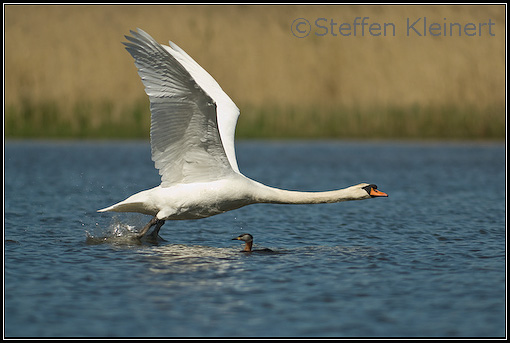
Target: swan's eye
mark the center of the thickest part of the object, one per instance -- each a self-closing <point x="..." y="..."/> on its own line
<point x="368" y="188"/>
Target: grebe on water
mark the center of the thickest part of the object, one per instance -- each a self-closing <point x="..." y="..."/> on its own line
<point x="248" y="239"/>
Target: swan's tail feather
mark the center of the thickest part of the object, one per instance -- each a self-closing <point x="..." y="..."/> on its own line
<point x="126" y="207"/>
<point x="107" y="209"/>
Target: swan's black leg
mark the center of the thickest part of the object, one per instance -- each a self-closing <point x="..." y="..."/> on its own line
<point x="146" y="228"/>
<point x="154" y="234"/>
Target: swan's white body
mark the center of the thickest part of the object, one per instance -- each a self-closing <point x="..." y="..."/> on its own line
<point x="192" y="141"/>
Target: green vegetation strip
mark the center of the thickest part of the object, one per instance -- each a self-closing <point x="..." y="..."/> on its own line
<point x="105" y="121"/>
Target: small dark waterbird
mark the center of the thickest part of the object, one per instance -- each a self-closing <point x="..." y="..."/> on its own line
<point x="248" y="240"/>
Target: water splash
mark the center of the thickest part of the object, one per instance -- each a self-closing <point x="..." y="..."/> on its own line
<point x="117" y="232"/>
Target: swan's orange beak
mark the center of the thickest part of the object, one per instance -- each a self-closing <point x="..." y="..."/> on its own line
<point x="375" y="193"/>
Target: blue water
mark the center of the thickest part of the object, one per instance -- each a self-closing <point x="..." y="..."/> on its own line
<point x="429" y="260"/>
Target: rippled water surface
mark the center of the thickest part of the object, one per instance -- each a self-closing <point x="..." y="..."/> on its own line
<point x="429" y="260"/>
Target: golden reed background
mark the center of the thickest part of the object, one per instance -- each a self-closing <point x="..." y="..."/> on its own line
<point x="67" y="74"/>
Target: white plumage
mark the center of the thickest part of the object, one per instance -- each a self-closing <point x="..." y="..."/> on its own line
<point x="192" y="142"/>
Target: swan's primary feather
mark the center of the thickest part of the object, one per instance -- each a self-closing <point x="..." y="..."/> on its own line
<point x="192" y="119"/>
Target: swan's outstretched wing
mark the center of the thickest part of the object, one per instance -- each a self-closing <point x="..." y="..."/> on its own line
<point x="227" y="111"/>
<point x="189" y="112"/>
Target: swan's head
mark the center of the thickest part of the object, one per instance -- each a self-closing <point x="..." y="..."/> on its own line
<point x="372" y="191"/>
<point x="247" y="238"/>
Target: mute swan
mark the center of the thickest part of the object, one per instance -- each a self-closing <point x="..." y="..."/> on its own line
<point x="192" y="144"/>
<point x="248" y="240"/>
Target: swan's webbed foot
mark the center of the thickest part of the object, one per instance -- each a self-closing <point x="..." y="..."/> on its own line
<point x="153" y="236"/>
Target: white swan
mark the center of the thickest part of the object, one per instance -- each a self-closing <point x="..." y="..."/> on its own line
<point x="192" y="141"/>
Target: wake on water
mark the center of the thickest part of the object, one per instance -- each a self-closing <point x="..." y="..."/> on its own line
<point x="117" y="232"/>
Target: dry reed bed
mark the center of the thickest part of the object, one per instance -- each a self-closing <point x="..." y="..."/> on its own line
<point x="66" y="73"/>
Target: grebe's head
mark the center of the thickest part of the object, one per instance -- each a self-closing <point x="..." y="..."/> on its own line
<point x="246" y="237"/>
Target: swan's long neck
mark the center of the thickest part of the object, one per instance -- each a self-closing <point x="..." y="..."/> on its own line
<point x="266" y="194"/>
